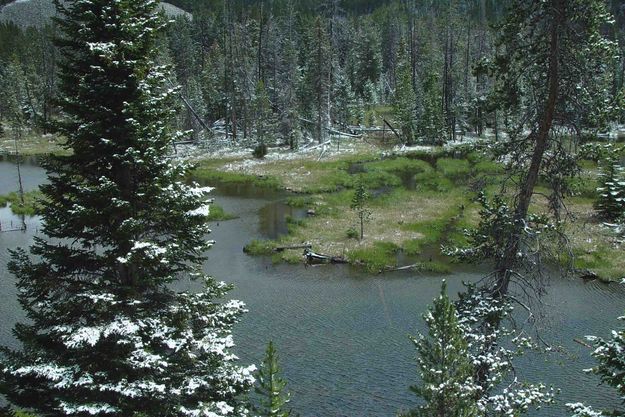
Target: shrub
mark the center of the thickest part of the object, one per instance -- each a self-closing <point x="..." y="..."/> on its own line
<point x="260" y="151"/>
<point x="352" y="233"/>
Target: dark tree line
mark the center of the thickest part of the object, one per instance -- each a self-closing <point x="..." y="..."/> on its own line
<point x="315" y="65"/>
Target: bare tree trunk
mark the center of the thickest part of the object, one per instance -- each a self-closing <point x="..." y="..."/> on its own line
<point x="505" y="265"/>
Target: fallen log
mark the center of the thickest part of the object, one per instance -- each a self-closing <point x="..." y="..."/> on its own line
<point x="581" y="342"/>
<point x="403" y="268"/>
<point x="328" y="142"/>
<point x="283" y="248"/>
<point x="393" y="129"/>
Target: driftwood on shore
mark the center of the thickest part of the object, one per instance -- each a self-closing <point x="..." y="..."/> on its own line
<point x="313" y="258"/>
<point x="402" y="268"/>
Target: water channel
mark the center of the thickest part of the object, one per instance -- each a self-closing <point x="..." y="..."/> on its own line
<point x="342" y="335"/>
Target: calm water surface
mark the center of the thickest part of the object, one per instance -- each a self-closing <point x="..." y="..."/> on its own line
<point x="342" y="335"/>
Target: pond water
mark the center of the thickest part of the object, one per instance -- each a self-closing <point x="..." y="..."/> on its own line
<point x="342" y="335"/>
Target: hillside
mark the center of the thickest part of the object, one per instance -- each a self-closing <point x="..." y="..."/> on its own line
<point x="26" y="13"/>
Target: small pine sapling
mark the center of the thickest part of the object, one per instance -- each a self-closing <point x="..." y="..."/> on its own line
<point x="359" y="205"/>
<point x="444" y="364"/>
<point x="271" y="387"/>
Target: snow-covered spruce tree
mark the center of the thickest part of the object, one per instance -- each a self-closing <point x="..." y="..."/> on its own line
<point x="445" y="368"/>
<point x="611" y="369"/>
<point x="498" y="393"/>
<point x="106" y="334"/>
<point x="611" y="201"/>
<point x="271" y="387"/>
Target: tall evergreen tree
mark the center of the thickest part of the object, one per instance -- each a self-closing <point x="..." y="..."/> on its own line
<point x="405" y="99"/>
<point x="106" y="333"/>
<point x="263" y="115"/>
<point x="431" y="121"/>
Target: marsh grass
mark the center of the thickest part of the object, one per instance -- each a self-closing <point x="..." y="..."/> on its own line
<point x="413" y="222"/>
<point x="212" y="176"/>
<point x="217" y="213"/>
<point x="30" y="207"/>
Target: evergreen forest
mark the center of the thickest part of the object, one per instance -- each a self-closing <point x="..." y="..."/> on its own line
<point x="420" y="204"/>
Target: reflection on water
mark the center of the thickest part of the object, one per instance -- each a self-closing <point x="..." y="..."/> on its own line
<point x="32" y="174"/>
<point x="342" y="335"/>
<point x="274" y="219"/>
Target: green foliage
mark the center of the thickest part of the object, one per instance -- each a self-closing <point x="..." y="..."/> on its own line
<point x="405" y="99"/>
<point x="431" y="125"/>
<point x="444" y="364"/>
<point x="487" y="240"/>
<point x="598" y="152"/>
<point x="271" y="387"/>
<point x="433" y="181"/>
<point x="488" y="167"/>
<point x="300" y="202"/>
<point x="400" y="165"/>
<point x="433" y="234"/>
<point x="264" y="119"/>
<point x="352" y="233"/>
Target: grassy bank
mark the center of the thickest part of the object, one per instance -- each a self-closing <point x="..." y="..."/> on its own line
<point x="419" y="201"/>
<point x="416" y="206"/>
